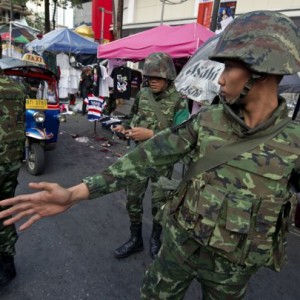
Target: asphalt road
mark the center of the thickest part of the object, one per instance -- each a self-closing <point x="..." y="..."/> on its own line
<point x="70" y="256"/>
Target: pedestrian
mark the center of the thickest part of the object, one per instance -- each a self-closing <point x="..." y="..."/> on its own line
<point x="85" y="86"/>
<point x="233" y="215"/>
<point x="12" y="142"/>
<point x="156" y="107"/>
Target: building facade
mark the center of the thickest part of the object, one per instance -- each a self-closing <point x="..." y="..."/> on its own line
<point x="143" y="14"/>
<point x="7" y="7"/>
<point x="139" y="15"/>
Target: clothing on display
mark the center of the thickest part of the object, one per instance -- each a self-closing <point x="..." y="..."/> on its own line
<point x="95" y="107"/>
<point x="104" y="82"/>
<point x="69" y="76"/>
<point x="122" y="82"/>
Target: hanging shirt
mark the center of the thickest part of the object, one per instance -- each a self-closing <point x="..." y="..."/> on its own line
<point x="95" y="107"/>
<point x="122" y="82"/>
<point x="104" y="83"/>
<point x="69" y="76"/>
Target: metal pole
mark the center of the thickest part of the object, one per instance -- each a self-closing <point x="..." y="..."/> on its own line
<point x="10" y="28"/>
<point x="10" y="37"/>
<point x="214" y="17"/>
<point x="102" y="25"/>
<point x="114" y="18"/>
<point x="162" y="12"/>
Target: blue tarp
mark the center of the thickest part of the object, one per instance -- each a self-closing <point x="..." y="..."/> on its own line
<point x="63" y="40"/>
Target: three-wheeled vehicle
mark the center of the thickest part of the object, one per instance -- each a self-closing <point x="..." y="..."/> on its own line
<point x="42" y="107"/>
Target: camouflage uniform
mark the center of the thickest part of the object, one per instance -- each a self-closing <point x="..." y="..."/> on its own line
<point x="230" y="211"/>
<point x="8" y="182"/>
<point x="174" y="107"/>
<point x="144" y="113"/>
<point x="232" y="219"/>
<point x="12" y="137"/>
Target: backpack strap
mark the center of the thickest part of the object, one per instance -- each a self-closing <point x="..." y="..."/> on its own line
<point x="160" y="116"/>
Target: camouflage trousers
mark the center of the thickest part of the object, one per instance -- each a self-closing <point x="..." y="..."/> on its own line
<point x="135" y="195"/>
<point x="181" y="260"/>
<point x="8" y="183"/>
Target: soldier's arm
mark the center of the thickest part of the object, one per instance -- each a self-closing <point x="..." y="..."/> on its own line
<point x="149" y="158"/>
<point x="51" y="199"/>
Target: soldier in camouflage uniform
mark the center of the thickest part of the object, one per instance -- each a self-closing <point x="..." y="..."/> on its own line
<point x="12" y="140"/>
<point x="159" y="71"/>
<point x="232" y="218"/>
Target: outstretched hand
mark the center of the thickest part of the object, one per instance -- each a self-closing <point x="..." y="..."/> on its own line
<point x="51" y="200"/>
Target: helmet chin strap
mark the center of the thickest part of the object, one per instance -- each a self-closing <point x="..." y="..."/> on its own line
<point x="247" y="87"/>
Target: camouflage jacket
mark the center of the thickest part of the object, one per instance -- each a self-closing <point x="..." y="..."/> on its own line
<point x="12" y="120"/>
<point x="171" y="104"/>
<point x="238" y="209"/>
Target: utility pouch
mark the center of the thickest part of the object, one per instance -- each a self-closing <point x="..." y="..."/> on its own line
<point x="283" y="224"/>
<point x="168" y="187"/>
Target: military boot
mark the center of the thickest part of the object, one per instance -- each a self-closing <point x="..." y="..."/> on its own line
<point x="7" y="269"/>
<point x="134" y="244"/>
<point x="155" y="242"/>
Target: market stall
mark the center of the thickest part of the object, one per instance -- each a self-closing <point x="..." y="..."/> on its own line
<point x="64" y="49"/>
<point x="177" y="41"/>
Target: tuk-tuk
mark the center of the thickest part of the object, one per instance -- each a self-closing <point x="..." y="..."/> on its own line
<point x="42" y="106"/>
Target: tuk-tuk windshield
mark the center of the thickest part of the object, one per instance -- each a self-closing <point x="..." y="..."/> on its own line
<point x="39" y="82"/>
<point x="41" y="89"/>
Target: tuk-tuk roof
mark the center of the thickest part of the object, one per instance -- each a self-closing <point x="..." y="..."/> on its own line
<point x="10" y="63"/>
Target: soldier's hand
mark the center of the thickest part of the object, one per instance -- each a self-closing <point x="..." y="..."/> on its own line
<point x="139" y="133"/>
<point x="51" y="200"/>
<point x="118" y="128"/>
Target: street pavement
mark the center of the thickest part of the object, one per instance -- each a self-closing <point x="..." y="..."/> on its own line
<point x="70" y="256"/>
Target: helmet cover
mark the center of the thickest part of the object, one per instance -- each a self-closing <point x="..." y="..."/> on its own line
<point x="161" y="65"/>
<point x="267" y="42"/>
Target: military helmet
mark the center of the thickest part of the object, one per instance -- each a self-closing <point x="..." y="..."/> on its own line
<point x="267" y="42"/>
<point x="159" y="65"/>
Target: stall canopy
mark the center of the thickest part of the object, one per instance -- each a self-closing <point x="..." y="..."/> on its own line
<point x="63" y="40"/>
<point x="17" y="29"/>
<point x="85" y="30"/>
<point x="178" y="41"/>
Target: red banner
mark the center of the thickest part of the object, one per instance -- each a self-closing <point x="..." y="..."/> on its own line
<point x="205" y="13"/>
<point x="102" y="16"/>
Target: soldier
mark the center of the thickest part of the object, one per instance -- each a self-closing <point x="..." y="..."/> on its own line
<point x="12" y="141"/>
<point x="156" y="107"/>
<point x="233" y="214"/>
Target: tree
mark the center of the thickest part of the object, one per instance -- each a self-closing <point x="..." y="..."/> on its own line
<point x="56" y="3"/>
<point x="37" y="21"/>
<point x="119" y="19"/>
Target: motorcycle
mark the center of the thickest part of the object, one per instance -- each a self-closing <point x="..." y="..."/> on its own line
<point x="42" y="107"/>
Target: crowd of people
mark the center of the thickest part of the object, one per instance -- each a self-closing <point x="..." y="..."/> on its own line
<point x="230" y="214"/>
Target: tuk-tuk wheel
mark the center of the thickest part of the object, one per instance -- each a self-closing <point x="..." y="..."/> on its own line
<point x="36" y="159"/>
